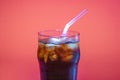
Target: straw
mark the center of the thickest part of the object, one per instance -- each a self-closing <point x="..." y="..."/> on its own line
<point x="67" y="26"/>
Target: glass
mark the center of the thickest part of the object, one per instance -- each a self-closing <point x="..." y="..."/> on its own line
<point x="58" y="60"/>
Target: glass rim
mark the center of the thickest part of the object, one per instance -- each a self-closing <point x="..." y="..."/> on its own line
<point x="42" y="33"/>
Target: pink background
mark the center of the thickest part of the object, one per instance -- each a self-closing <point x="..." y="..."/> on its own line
<point x="20" y="20"/>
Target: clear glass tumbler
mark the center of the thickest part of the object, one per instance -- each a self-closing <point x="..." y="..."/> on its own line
<point x="58" y="55"/>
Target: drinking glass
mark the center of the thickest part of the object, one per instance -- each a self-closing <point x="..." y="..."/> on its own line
<point x="58" y="55"/>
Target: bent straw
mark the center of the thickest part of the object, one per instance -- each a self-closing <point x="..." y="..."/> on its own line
<point x="67" y="26"/>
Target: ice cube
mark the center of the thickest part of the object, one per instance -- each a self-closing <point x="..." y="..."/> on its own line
<point x="41" y="54"/>
<point x="48" y="45"/>
<point x="67" y="58"/>
<point x="72" y="45"/>
<point x="55" y="40"/>
<point x="41" y="50"/>
<point x="45" y="57"/>
<point x="51" y="45"/>
<point x="58" y="40"/>
<point x="53" y="56"/>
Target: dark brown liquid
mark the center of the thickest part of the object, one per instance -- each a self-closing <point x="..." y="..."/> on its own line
<point x="59" y="68"/>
